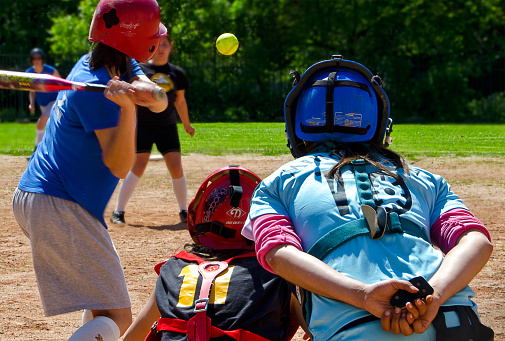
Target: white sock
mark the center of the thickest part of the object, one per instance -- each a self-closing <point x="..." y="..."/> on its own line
<point x="86" y="316"/>
<point x="40" y="135"/>
<point x="180" y="188"/>
<point x="126" y="190"/>
<point x="99" y="328"/>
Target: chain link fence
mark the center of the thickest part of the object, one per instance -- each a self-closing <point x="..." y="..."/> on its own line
<point x="223" y="89"/>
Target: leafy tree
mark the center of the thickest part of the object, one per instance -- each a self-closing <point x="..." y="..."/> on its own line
<point x="25" y="24"/>
<point x="69" y="32"/>
<point x="433" y="56"/>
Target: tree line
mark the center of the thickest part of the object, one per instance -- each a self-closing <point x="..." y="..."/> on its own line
<point x="441" y="61"/>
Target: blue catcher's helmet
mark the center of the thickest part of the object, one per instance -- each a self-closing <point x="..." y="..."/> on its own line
<point x="338" y="100"/>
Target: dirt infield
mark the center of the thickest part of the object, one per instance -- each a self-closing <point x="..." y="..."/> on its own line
<point x="153" y="233"/>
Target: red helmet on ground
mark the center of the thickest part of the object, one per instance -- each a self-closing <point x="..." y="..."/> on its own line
<point x="217" y="214"/>
<point x="130" y="26"/>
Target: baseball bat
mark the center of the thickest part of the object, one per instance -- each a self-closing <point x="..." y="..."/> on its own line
<point x="13" y="80"/>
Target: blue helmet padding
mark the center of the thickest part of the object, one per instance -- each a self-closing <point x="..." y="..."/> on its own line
<point x="295" y="142"/>
<point x="352" y="107"/>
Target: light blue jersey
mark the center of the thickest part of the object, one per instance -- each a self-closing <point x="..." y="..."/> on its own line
<point x="317" y="204"/>
<point x="68" y="162"/>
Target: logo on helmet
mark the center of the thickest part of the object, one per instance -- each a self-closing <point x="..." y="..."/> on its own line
<point x="130" y="26"/>
<point x="348" y="120"/>
<point x="236" y="212"/>
<point x="216" y="197"/>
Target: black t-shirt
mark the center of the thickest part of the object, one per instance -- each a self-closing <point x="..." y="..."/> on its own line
<point x="171" y="78"/>
<point x="246" y="296"/>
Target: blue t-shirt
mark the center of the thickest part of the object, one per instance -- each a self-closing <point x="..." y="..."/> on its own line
<point x="44" y="98"/>
<point x="317" y="204"/>
<point x="68" y="162"/>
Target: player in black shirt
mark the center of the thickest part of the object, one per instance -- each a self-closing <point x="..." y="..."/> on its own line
<point x="217" y="290"/>
<point x="160" y="129"/>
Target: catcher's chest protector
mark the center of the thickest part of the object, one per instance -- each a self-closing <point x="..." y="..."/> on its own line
<point x="232" y="299"/>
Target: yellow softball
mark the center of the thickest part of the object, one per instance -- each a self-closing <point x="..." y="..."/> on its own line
<point x="227" y="44"/>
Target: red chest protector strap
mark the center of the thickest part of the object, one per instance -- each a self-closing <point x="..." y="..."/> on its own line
<point x="199" y="327"/>
<point x="180" y="326"/>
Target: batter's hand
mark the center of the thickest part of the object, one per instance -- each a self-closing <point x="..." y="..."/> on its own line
<point x="119" y="92"/>
<point x="189" y="129"/>
<point x="31" y="107"/>
<point x="144" y="93"/>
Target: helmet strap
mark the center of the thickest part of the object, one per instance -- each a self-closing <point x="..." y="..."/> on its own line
<point x="330" y="86"/>
<point x="216" y="228"/>
<point x="236" y="190"/>
<point x="329" y="126"/>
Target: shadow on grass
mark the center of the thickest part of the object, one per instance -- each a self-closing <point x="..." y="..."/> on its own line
<point x="174" y="227"/>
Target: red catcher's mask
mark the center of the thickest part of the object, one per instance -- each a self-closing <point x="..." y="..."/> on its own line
<point x="217" y="214"/>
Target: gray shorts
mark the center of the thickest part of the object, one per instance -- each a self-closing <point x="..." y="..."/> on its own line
<point x="75" y="262"/>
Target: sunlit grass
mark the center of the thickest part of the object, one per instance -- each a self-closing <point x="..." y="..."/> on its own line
<point x="449" y="140"/>
<point x="17" y="138"/>
<point x="412" y="141"/>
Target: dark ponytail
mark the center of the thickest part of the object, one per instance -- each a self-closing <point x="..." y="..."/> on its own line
<point x="381" y="158"/>
<point x="104" y="55"/>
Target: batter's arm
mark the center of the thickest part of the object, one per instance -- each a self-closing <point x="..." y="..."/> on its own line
<point x="143" y="93"/>
<point x="118" y="143"/>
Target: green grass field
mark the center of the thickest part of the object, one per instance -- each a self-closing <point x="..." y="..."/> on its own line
<point x="412" y="141"/>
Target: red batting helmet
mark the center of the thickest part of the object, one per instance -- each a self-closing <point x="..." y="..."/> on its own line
<point x="130" y="26"/>
<point x="217" y="214"/>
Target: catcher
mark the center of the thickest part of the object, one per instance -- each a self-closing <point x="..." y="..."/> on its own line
<point x="351" y="222"/>
<point x="216" y="289"/>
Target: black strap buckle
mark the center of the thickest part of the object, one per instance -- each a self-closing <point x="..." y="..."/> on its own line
<point x="201" y="300"/>
<point x="216" y="228"/>
<point x="235" y="195"/>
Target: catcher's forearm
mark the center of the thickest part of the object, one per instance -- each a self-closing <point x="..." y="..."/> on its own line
<point x="461" y="264"/>
<point x="312" y="274"/>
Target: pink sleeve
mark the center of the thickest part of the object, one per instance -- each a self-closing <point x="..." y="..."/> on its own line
<point x="270" y="230"/>
<point x="447" y="229"/>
